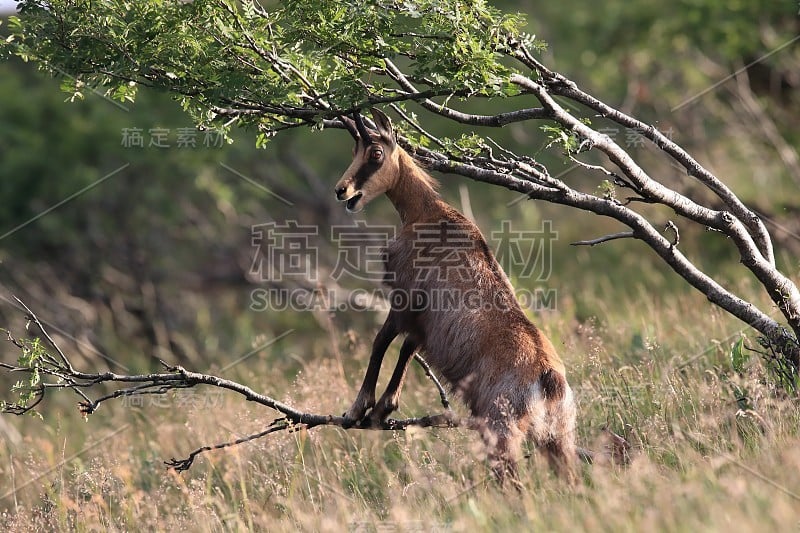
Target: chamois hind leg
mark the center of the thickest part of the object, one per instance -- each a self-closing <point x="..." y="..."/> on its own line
<point x="560" y="449"/>
<point x="553" y="424"/>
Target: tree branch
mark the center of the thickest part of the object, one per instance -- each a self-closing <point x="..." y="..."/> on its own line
<point x="560" y="85"/>
<point x="494" y="121"/>
<point x="780" y="289"/>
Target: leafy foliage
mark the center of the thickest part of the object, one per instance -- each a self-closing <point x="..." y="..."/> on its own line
<point x="29" y="390"/>
<point x="274" y="68"/>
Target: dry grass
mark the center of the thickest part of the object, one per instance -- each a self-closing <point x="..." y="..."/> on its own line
<point x="657" y="373"/>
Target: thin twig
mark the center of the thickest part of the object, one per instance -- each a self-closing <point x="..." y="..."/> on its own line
<point x="181" y="465"/>
<point x="47" y="336"/>
<point x="606" y="238"/>
<point x="616" y="178"/>
<point x="416" y="126"/>
<point x="429" y="373"/>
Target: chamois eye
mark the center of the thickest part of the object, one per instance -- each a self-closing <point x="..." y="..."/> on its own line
<point x="376" y="155"/>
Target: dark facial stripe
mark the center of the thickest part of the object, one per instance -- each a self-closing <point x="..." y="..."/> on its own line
<point x="363" y="173"/>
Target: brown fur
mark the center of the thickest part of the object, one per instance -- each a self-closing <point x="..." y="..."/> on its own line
<point x="503" y="367"/>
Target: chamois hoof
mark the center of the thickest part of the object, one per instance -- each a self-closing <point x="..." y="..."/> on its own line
<point x="352" y="422"/>
<point x="348" y="422"/>
<point x="380" y="414"/>
<point x="364" y="421"/>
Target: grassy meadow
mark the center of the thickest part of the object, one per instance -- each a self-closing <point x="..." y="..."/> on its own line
<point x="712" y="449"/>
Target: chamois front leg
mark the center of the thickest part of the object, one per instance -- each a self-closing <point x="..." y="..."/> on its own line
<point x="391" y="397"/>
<point x="366" y="395"/>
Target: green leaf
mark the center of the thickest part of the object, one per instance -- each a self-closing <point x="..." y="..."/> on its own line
<point x="739" y="357"/>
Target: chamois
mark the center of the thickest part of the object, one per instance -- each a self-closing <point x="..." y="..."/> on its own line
<point x="501" y="365"/>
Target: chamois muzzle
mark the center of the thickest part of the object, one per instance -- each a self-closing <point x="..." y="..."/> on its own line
<point x="351" y="200"/>
<point x="351" y="203"/>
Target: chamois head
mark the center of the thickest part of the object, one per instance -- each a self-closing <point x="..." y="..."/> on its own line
<point x="374" y="169"/>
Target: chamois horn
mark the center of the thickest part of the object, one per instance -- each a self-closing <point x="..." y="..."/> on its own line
<point x="350" y="125"/>
<point x="362" y="129"/>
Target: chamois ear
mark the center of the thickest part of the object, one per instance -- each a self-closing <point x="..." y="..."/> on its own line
<point x="384" y="126"/>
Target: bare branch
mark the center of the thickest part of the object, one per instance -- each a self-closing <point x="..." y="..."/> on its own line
<point x="780" y="289"/>
<point x="560" y="85"/>
<point x="560" y="193"/>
